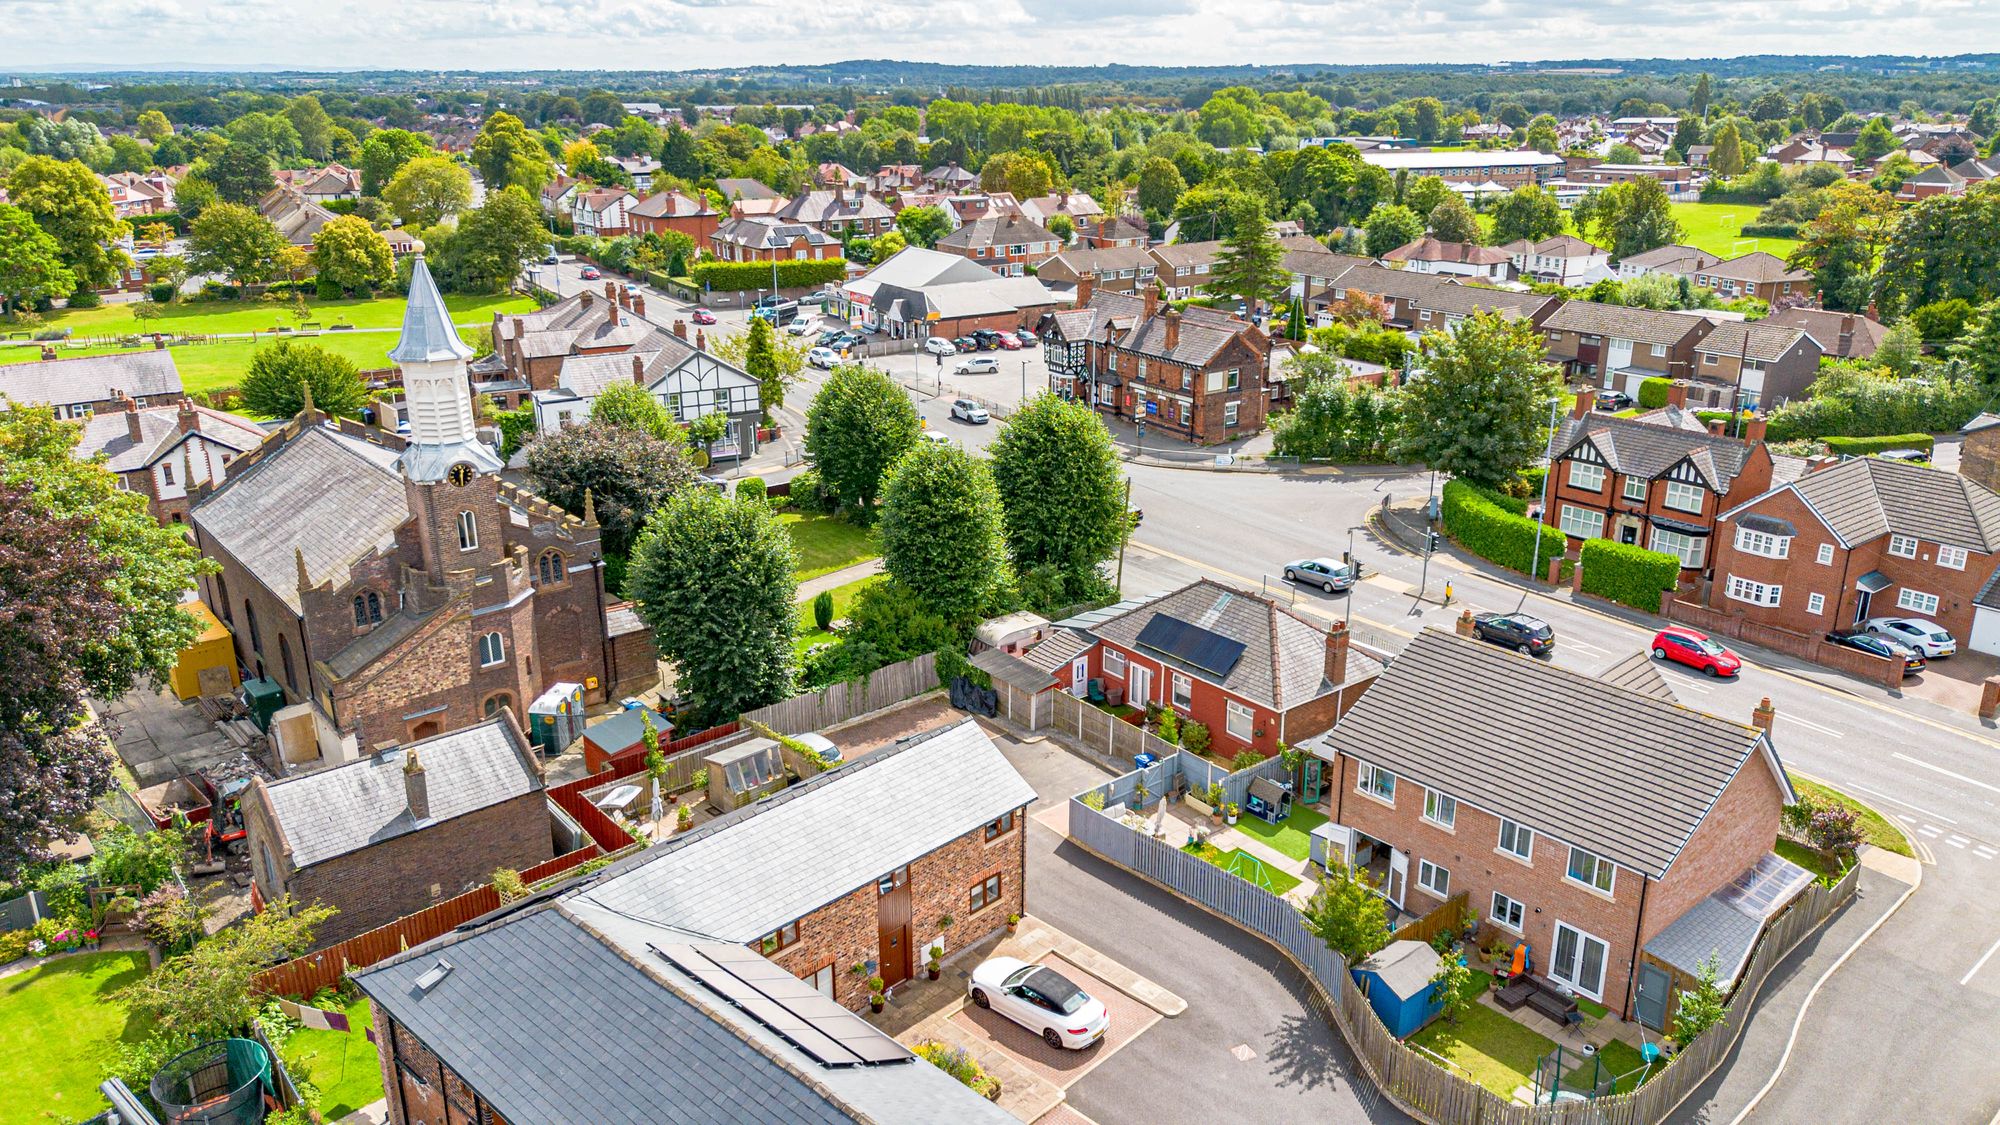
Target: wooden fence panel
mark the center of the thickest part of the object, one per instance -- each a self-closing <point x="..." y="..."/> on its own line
<point x="837" y="703"/>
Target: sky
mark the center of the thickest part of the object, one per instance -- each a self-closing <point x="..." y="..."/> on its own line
<point x="694" y="34"/>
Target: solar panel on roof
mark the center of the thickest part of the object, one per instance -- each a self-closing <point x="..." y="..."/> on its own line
<point x="1209" y="651"/>
<point x="828" y="1033"/>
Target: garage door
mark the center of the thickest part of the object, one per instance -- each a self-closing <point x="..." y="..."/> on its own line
<point x="1985" y="630"/>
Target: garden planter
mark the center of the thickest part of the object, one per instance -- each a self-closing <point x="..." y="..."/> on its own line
<point x="876" y="1006"/>
<point x="1232" y="818"/>
<point x="992" y="1089"/>
<point x="933" y="974"/>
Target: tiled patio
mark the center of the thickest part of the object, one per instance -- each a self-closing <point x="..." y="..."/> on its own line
<point x="1594" y="1032"/>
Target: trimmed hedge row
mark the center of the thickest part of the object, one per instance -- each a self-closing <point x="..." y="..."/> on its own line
<point x="739" y="276"/>
<point x="1482" y="522"/>
<point x="1628" y="574"/>
<point x="1862" y="446"/>
<point x="1653" y="393"/>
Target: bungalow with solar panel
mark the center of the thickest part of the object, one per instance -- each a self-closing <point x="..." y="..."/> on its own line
<point x="1254" y="672"/>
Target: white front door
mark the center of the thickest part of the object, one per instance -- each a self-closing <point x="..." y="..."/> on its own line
<point x="1142" y="686"/>
<point x="1399" y="875"/>
<point x="1079" y="677"/>
<point x="1579" y="960"/>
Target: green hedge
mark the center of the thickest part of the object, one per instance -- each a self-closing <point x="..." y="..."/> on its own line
<point x="1482" y="522"/>
<point x="1653" y="393"/>
<point x="740" y="276"/>
<point x="1862" y="446"/>
<point x="1627" y="574"/>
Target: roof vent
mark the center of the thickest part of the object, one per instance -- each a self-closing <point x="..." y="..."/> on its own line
<point x="433" y="977"/>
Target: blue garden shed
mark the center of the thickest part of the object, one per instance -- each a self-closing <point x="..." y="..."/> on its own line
<point x="1397" y="982"/>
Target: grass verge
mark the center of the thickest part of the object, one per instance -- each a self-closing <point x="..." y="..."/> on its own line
<point x="1875" y="828"/>
<point x="201" y="318"/>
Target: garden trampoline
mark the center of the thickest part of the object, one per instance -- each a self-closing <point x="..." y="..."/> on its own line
<point x="221" y="1082"/>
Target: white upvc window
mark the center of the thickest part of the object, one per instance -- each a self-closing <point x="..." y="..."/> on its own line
<point x="1183" y="691"/>
<point x="1582" y="523"/>
<point x="1239" y="722"/>
<point x="1951" y="557"/>
<point x="1687" y="548"/>
<point x="1756" y="593"/>
<point x="1517" y="840"/>
<point x="1635" y="488"/>
<point x="1433" y="878"/>
<point x="1440" y="809"/>
<point x="1826" y="554"/>
<point x="1507" y="912"/>
<point x="1583" y="474"/>
<point x="1762" y="543"/>
<point x="1903" y="546"/>
<point x="1229" y="413"/>
<point x="1376" y="782"/>
<point x="1917" y="601"/>
<point x="1591" y="870"/>
<point x="1815" y="603"/>
<point x="1684" y="497"/>
<point x="1114" y="663"/>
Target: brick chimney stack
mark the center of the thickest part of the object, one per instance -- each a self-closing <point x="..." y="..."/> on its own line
<point x="520" y="328"/>
<point x="1150" y="301"/>
<point x="1764" y="715"/>
<point x="639" y="303"/>
<point x="1753" y="430"/>
<point x="1173" y="329"/>
<point x="1718" y="427"/>
<point x="416" y="786"/>
<point x="1677" y="394"/>
<point x="680" y="328"/>
<point x="1580" y="408"/>
<point x="624" y="297"/>
<point x="130" y="406"/>
<point x="587" y="297"/>
<point x="639" y="370"/>
<point x="611" y="292"/>
<point x="1085" y="286"/>
<point x="700" y="340"/>
<point x="187" y="419"/>
<point x="1336" y="653"/>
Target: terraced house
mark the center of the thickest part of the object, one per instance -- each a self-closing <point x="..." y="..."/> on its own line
<point x="1199" y="376"/>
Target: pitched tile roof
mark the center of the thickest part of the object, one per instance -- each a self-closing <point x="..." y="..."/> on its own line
<point x="109" y="432"/>
<point x="1592" y="764"/>
<point x="670" y="204"/>
<point x="1428" y="249"/>
<point x="1757" y="266"/>
<point x="830" y="206"/>
<point x="1649" y="447"/>
<point x="91" y="378"/>
<point x="1758" y="340"/>
<point x="744" y="188"/>
<point x="1671" y="259"/>
<point x="1864" y="498"/>
<point x="765" y="233"/>
<point x="1844" y="335"/>
<point x="1085" y="259"/>
<point x="1641" y="326"/>
<point x="1180" y="255"/>
<point x="333" y="812"/>
<point x="999" y="230"/>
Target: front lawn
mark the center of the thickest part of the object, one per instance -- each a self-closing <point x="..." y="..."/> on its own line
<point x="843" y="596"/>
<point x="1498" y="1053"/>
<point x="206" y="318"/>
<point x="828" y="543"/>
<point x="59" y="1032"/>
<point x="342" y="1064"/>
<point x="1290" y="836"/>
<point x="1875" y="828"/>
<point x="1826" y="871"/>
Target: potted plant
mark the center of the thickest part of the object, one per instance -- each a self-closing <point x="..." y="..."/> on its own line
<point x="1139" y="795"/>
<point x="934" y="967"/>
<point x="1235" y="811"/>
<point x="1013" y="922"/>
<point x="1215" y="802"/>
<point x="944" y="922"/>
<point x="684" y="818"/>
<point x="877" y="998"/>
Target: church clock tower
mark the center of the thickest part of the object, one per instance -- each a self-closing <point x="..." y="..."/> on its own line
<point x="451" y="475"/>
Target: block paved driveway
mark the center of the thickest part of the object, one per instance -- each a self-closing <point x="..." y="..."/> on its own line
<point x="1240" y="992"/>
<point x="1129" y="1019"/>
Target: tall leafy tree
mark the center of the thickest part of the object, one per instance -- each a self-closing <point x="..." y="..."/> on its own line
<point x="351" y="254"/>
<point x="713" y="577"/>
<point x="857" y="426"/>
<point x="1481" y="407"/>
<point x="1874" y="141"/>
<point x="1632" y="217"/>
<point x="1058" y="477"/>
<point x="315" y="129"/>
<point x="68" y="201"/>
<point x="634" y="407"/>
<point x="153" y="126"/>
<point x="1529" y="211"/>
<point x="241" y="173"/>
<point x="1453" y="221"/>
<point x="1160" y="186"/>
<point x="269" y="133"/>
<point x="211" y="989"/>
<point x="629" y="473"/>
<point x="1944" y="247"/>
<point x="384" y="153"/>
<point x="428" y="189"/>
<point x="1728" y="157"/>
<point x="760" y="362"/>
<point x="31" y="264"/>
<point x="680" y="155"/>
<point x="941" y="529"/>
<point x="1704" y="90"/>
<point x="232" y="239"/>
<point x="507" y="154"/>
<point x="1841" y="243"/>
<point x="1389" y="226"/>
<point x="1250" y="261"/>
<point x="274" y="384"/>
<point x="1423" y="194"/>
<point x="1977" y="352"/>
<point x="923" y="225"/>
<point x="1346" y="913"/>
<point x="494" y="240"/>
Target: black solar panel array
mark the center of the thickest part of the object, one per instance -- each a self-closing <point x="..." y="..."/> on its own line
<point x="829" y="1033"/>
<point x="1209" y="651"/>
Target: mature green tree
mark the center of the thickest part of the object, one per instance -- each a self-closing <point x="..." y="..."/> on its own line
<point x="68" y="201"/>
<point x="760" y="362"/>
<point x="634" y="407"/>
<point x="1423" y="194"/>
<point x="384" y="153"/>
<point x="1389" y="226"/>
<point x="1026" y="173"/>
<point x="1062" y="226"/>
<point x="1891" y="171"/>
<point x="211" y="990"/>
<point x="1333" y="419"/>
<point x="1977" y="351"/>
<point x="679" y="155"/>
<point x="124" y="154"/>
<point x="153" y="126"/>
<point x="1453" y="221"/>
<point x="941" y="529"/>
<point x="350" y="253"/>
<point x="1703" y="1007"/>
<point x="1480" y="410"/>
<point x="74" y="139"/>
<point x="779" y="361"/>
<point x="1729" y="157"/>
<point x="241" y="174"/>
<point x="1687" y="134"/>
<point x="1631" y="218"/>
<point x="713" y="578"/>
<point x="494" y="240"/>
<point x="508" y="155"/>
<point x="232" y="239"/>
<point x="1206" y="212"/>
<point x="1622" y="153"/>
<point x="1941" y="322"/>
<point x="1250" y="261"/>
<point x="269" y="133"/>
<point x="1698" y="100"/>
<point x="1542" y="137"/>
<point x="1874" y="141"/>
<point x="1944" y="247"/>
<point x="1841" y="244"/>
<point x="193" y="195"/>
<point x="1902" y="348"/>
<point x="629" y="473"/>
<point x="1529" y="211"/>
<point x="923" y="225"/>
<point x="428" y="189"/>
<point x="1426" y="118"/>
<point x="1346" y="913"/>
<point x="31" y="263"/>
<point x="1061" y="492"/>
<point x="1160" y="186"/>
<point x="315" y="129"/>
<point x="274" y="383"/>
<point x="858" y="425"/>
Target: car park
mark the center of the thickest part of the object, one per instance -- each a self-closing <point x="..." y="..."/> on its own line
<point x="1696" y="650"/>
<point x="1913" y="661"/>
<point x="1327" y="574"/>
<point x="966" y="410"/>
<point x="966" y="344"/>
<point x="1009" y="342"/>
<point x="989" y="340"/>
<point x="1614" y="400"/>
<point x="590" y="273"/>
<point x="803" y="326"/>
<point x="977" y="365"/>
<point x="1927" y="637"/>
<point x="1529" y="636"/>
<point x="1041" y="1000"/>
<point x="704" y="316"/>
<point x="823" y="358"/>
<point x="938" y="345"/>
<point x="1028" y="339"/>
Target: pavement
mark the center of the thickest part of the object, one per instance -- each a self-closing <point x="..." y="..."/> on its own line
<point x="160" y="738"/>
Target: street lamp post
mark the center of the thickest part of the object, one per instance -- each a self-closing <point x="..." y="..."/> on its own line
<point x="1555" y="408"/>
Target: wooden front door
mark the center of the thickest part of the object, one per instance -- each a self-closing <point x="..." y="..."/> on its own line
<point x="892" y="911"/>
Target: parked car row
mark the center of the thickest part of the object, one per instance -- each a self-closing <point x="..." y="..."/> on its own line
<point x="992" y="339"/>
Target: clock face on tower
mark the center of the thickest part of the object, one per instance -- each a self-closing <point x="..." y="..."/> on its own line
<point x="460" y="474"/>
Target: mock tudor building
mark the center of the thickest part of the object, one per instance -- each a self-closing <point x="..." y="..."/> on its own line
<point x="400" y="830"/>
<point x="1658" y="480"/>
<point x="396" y="588"/>
<point x="166" y="452"/>
<point x="79" y="387"/>
<point x="1864" y="538"/>
<point x="839" y="213"/>
<point x="1586" y="817"/>
<point x="600" y="212"/>
<point x="1199" y="375"/>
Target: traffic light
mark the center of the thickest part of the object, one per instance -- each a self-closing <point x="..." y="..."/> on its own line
<point x="1430" y="543"/>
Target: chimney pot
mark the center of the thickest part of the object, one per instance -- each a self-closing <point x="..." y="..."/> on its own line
<point x="1464" y="625"/>
<point x="588" y="296"/>
<point x="681" y="328"/>
<point x="1764" y="715"/>
<point x="1677" y="394"/>
<point x="1173" y="329"/>
<point x="700" y="340"/>
<point x="1753" y="430"/>
<point x="639" y="303"/>
<point x="611" y="292"/>
<point x="639" y="370"/>
<point x="187" y="419"/>
<point x="1151" y="301"/>
<point x="416" y="786"/>
<point x="1717" y="427"/>
<point x="1336" y="653"/>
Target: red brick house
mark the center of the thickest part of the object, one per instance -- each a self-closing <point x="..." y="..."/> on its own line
<point x="1756" y="274"/>
<point x="1619" y="348"/>
<point x="839" y="213"/>
<point x="1199" y="376"/>
<point x="1418" y="302"/>
<point x="1748" y="363"/>
<point x="400" y="830"/>
<point x="1250" y="670"/>
<point x="1658" y="480"/>
<point x="165" y="452"/>
<point x="771" y="240"/>
<point x="1005" y="244"/>
<point x="1864" y="538"/>
<point x="674" y="210"/>
<point x="1587" y="817"/>
<point x="1117" y="269"/>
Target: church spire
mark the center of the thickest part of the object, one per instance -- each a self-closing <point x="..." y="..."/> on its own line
<point x="437" y="390"/>
<point x="428" y="335"/>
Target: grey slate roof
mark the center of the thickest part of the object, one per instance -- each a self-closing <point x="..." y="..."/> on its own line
<point x="743" y="875"/>
<point x="744" y="188"/>
<point x="1058" y="649"/>
<point x="1863" y="334"/>
<point x="346" y="808"/>
<point x="333" y="497"/>
<point x="1757" y="266"/>
<point x="1648" y="449"/>
<point x="1671" y="259"/>
<point x="1584" y="762"/>
<point x="108" y="432"/>
<point x="1013" y="671"/>
<point x="1866" y="497"/>
<point x="1759" y="341"/>
<point x="94" y="378"/>
<point x="1641" y="326"/>
<point x="428" y="336"/>
<point x="999" y="230"/>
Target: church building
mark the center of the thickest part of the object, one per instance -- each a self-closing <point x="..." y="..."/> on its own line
<point x="397" y="588"/>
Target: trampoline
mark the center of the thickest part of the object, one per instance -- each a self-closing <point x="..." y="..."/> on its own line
<point x="218" y="1083"/>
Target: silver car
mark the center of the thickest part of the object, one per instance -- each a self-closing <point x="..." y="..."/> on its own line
<point x="1927" y="637"/>
<point x="1327" y="574"/>
<point x="977" y="365"/>
<point x="967" y="410"/>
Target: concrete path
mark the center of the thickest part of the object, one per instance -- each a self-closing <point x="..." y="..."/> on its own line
<point x="374" y="1113"/>
<point x="811" y="587"/>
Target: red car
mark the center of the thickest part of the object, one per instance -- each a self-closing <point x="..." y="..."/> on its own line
<point x="1010" y="342"/>
<point x="590" y="273"/>
<point x="1696" y="650"/>
<point x="703" y="316"/>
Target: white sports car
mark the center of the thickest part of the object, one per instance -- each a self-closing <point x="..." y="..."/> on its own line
<point x="1041" y="1000"/>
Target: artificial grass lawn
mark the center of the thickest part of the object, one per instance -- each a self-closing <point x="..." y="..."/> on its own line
<point x="808" y="634"/>
<point x="203" y="318"/>
<point x="1875" y="828"/>
<point x="59" y="1031"/>
<point x="1281" y="881"/>
<point x="1718" y="227"/>
<point x="341" y="1064"/>
<point x="1291" y="836"/>
<point x="1498" y="1053"/>
<point x="828" y="543"/>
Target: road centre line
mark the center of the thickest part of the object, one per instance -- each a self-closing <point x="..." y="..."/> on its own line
<point x="1946" y="772"/>
<point x="1786" y="717"/>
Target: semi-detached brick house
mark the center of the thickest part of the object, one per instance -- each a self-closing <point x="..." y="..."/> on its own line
<point x="1418" y="302"/>
<point x="1657" y="480"/>
<point x="1756" y="274"/>
<point x="165" y="452"/>
<point x="1200" y="376"/>
<point x="401" y="830"/>
<point x="1184" y="267"/>
<point x="1865" y="538"/>
<point x="1747" y="364"/>
<point x="79" y="387"/>
<point x="674" y="210"/>
<point x="839" y="213"/>
<point x="771" y="240"/>
<point x="1584" y="816"/>
<point x="1250" y="670"/>
<point x="1114" y="269"/>
<point x="1005" y="244"/>
<point x="1619" y="348"/>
